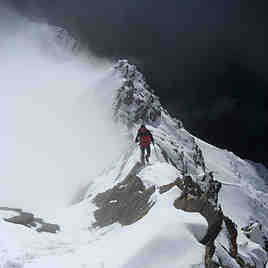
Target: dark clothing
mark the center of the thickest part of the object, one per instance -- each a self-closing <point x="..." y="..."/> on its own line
<point x="144" y="138"/>
<point x="148" y="153"/>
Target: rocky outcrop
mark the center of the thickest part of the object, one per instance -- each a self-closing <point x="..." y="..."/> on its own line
<point x="257" y="233"/>
<point x="28" y="220"/>
<point x="126" y="203"/>
<point x="46" y="227"/>
<point x="198" y="156"/>
<point x="135" y="101"/>
<point x="210" y="188"/>
<point x="232" y="236"/>
<point x="193" y="199"/>
<point x="203" y="199"/>
<point x="214" y="217"/>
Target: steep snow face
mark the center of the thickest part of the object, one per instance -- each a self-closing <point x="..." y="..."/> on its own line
<point x="241" y="182"/>
<point x="55" y="132"/>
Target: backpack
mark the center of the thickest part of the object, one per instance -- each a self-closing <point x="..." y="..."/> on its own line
<point x="145" y="138"/>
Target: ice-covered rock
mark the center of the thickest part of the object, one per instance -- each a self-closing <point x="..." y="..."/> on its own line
<point x="135" y="101"/>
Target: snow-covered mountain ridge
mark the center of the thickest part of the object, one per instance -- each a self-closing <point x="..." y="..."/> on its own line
<point x="136" y="103"/>
<point x="171" y="213"/>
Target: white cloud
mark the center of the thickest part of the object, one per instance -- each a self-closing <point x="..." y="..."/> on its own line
<point x="55" y="116"/>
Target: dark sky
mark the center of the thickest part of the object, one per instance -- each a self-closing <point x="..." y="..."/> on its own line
<point x="206" y="59"/>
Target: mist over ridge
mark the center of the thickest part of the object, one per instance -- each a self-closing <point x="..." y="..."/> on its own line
<point x="55" y="116"/>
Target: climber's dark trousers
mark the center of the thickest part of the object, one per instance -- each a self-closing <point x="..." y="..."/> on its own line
<point x="148" y="152"/>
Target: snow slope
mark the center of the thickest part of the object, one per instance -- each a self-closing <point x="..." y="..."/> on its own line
<point x="154" y="241"/>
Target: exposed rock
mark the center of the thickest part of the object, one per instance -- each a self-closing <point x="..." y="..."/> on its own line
<point x="125" y="203"/>
<point x="214" y="229"/>
<point x="214" y="217"/>
<point x="135" y="100"/>
<point x="184" y="165"/>
<point x="165" y="188"/>
<point x="257" y="233"/>
<point x="23" y="219"/>
<point x="209" y="253"/>
<point x="232" y="235"/>
<point x="210" y="188"/>
<point x="198" y="156"/>
<point x="46" y="227"/>
<point x="49" y="228"/>
<point x="28" y="220"/>
<point x="191" y="200"/>
<point x="191" y="187"/>
<point x="197" y="198"/>
<point x="202" y="197"/>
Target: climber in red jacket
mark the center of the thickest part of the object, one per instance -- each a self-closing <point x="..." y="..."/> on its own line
<point x="144" y="137"/>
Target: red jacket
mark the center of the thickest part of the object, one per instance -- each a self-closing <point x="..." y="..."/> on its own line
<point x="144" y="137"/>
